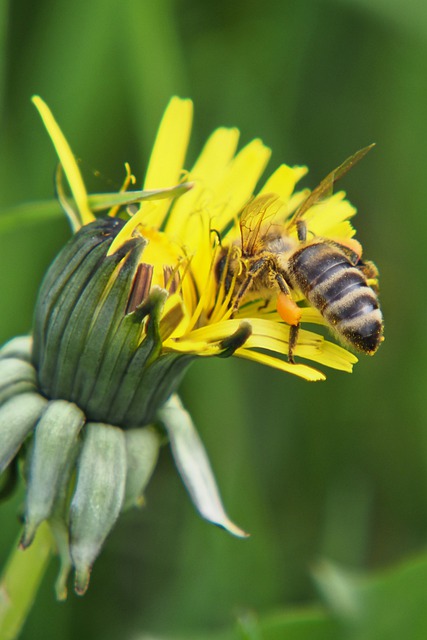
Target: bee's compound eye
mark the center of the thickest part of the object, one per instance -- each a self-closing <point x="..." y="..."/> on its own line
<point x="288" y="309"/>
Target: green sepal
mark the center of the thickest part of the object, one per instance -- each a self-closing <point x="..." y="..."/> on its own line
<point x="55" y="319"/>
<point x="153" y="307"/>
<point x="59" y="528"/>
<point x="59" y="520"/>
<point x="90" y="374"/>
<point x="142" y="451"/>
<point x="16" y="376"/>
<point x="193" y="465"/>
<point x="15" y="370"/>
<point x="125" y="355"/>
<point x="98" y="497"/>
<point x="15" y="389"/>
<point x="78" y="355"/>
<point x="55" y="438"/>
<point x="20" y="347"/>
<point x="117" y="358"/>
<point x="156" y="384"/>
<point x="65" y="270"/>
<point x="148" y="350"/>
<point x="18" y="416"/>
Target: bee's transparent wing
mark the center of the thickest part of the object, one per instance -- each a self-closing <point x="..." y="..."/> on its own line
<point x="253" y="218"/>
<point x="324" y="188"/>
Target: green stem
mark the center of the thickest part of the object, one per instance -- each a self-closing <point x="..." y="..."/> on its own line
<point x="20" y="582"/>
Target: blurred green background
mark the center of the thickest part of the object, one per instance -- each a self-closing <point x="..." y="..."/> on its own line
<point x="329" y="478"/>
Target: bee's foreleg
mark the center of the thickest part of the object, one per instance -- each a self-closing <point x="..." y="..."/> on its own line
<point x="246" y="285"/>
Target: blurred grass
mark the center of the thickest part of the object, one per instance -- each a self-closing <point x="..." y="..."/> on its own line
<point x="334" y="470"/>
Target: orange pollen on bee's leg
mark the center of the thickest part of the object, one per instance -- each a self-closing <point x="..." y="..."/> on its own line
<point x="288" y="309"/>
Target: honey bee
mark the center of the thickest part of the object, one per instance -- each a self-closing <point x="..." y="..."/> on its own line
<point x="330" y="274"/>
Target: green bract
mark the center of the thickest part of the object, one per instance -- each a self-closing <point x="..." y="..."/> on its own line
<point x="92" y="393"/>
<point x="96" y="335"/>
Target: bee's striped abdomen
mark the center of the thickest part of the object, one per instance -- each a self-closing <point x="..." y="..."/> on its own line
<point x="339" y="290"/>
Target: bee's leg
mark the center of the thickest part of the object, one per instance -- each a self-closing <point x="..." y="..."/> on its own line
<point x="252" y="273"/>
<point x="290" y="312"/>
<point x="246" y="284"/>
<point x="264" y="305"/>
<point x="283" y="285"/>
<point x="301" y="230"/>
<point x="293" y="339"/>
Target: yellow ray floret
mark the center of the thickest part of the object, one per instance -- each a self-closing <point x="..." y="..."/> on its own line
<point x="67" y="160"/>
<point x="169" y="151"/>
<point x="190" y="226"/>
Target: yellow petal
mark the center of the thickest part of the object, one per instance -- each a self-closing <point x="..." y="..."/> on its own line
<point x="168" y="155"/>
<point x="329" y="354"/>
<point x="239" y="183"/>
<point x="300" y="370"/>
<point x="214" y="332"/>
<point x="199" y="348"/>
<point x="170" y="147"/>
<point x="310" y="346"/>
<point x="297" y="199"/>
<point x="198" y="341"/>
<point x="173" y="316"/>
<point x="342" y="230"/>
<point x="283" y="181"/>
<point x="311" y="315"/>
<point x="67" y="160"/>
<point x="325" y="215"/>
<point x="274" y="336"/>
<point x="208" y="169"/>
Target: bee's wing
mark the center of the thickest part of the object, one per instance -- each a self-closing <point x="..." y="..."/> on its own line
<point x="326" y="185"/>
<point x="252" y="219"/>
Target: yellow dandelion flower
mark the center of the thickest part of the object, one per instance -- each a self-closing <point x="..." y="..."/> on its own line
<point x="193" y="265"/>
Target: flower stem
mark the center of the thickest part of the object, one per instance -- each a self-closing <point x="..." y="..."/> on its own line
<point x="20" y="581"/>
